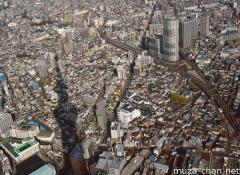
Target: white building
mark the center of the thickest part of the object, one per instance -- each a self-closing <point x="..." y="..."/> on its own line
<point x="24" y="132"/>
<point x="145" y="59"/>
<point x="20" y="151"/>
<point x="116" y="131"/>
<point x="126" y="113"/>
<point x="121" y="72"/>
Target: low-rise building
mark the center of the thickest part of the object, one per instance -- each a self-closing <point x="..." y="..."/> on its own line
<point x="20" y="151"/>
<point x="6" y="122"/>
<point x="47" y="169"/>
<point x="126" y="113"/>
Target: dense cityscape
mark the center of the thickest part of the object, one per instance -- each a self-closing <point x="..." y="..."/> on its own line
<point x="119" y="87"/>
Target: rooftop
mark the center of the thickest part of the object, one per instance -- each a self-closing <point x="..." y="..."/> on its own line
<point x="47" y="169"/>
<point x="17" y="147"/>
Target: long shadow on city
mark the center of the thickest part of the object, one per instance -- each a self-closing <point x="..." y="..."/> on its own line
<point x="65" y="114"/>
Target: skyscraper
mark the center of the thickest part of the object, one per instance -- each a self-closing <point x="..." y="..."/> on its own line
<point x="204" y="26"/>
<point x="185" y="33"/>
<point x="171" y="39"/>
<point x="194" y="22"/>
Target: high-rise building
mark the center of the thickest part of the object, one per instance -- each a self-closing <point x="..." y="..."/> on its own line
<point x="204" y="26"/>
<point x="6" y="122"/>
<point x="171" y="39"/>
<point x="194" y="22"/>
<point x="185" y="33"/>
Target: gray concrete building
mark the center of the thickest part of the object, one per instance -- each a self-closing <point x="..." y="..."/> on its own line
<point x="185" y="33"/>
<point x="171" y="39"/>
<point x="195" y="29"/>
<point x="204" y="26"/>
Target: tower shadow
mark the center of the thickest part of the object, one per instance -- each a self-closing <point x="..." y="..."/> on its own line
<point x="65" y="114"/>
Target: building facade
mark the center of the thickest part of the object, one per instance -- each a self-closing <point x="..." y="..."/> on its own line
<point x="204" y="26"/>
<point x="194" y="27"/>
<point x="171" y="39"/>
<point x="185" y="33"/>
<point x="20" y="151"/>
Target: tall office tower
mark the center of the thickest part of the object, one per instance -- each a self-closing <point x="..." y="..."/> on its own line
<point x="77" y="162"/>
<point x="185" y="33"/>
<point x="204" y="26"/>
<point x="101" y="115"/>
<point x="6" y="122"/>
<point x="194" y="22"/>
<point x="171" y="39"/>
